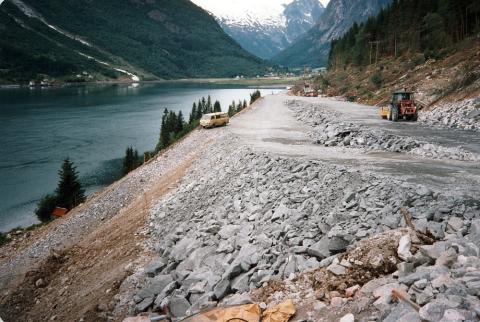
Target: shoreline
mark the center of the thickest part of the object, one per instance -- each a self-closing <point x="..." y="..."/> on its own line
<point x="264" y="82"/>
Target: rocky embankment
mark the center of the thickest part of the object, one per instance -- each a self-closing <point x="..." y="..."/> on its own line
<point x="462" y="115"/>
<point x="246" y="225"/>
<point x="331" y="129"/>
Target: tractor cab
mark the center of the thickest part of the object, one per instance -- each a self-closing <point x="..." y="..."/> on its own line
<point x="402" y="97"/>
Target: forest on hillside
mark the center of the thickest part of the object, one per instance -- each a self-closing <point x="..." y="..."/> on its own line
<point x="429" y="27"/>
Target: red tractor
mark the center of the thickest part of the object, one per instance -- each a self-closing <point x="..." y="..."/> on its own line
<point x="402" y="106"/>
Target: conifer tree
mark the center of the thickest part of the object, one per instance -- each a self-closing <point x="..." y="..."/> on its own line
<point x="69" y="190"/>
<point x="193" y="114"/>
<point x="209" y="105"/>
<point x="204" y="106"/>
<point x="231" y="110"/>
<point x="199" y="110"/>
<point x="179" y="127"/>
<point x="164" y="132"/>
<point x="245" y="104"/>
<point x="217" y="107"/>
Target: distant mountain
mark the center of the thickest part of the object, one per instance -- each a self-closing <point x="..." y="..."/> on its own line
<point x="106" y="39"/>
<point x="266" y="29"/>
<point x="313" y="48"/>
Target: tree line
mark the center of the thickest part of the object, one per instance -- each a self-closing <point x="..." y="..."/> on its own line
<point x="429" y="27"/>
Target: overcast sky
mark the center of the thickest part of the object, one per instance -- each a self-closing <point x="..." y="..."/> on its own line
<point x="232" y="7"/>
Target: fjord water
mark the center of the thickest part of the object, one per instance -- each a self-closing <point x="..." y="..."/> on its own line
<point x="92" y="125"/>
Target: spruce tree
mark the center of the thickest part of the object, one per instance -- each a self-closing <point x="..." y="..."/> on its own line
<point x="164" y="132"/>
<point x="245" y="104"/>
<point x="127" y="161"/>
<point x="204" y="106"/>
<point x="209" y="105"/>
<point x="231" y="110"/>
<point x="200" y="108"/>
<point x="193" y="114"/>
<point x="217" y="107"/>
<point x="179" y="122"/>
<point x="69" y="190"/>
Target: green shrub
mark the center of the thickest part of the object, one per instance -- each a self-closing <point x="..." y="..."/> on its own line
<point x="45" y="207"/>
<point x="377" y="80"/>
<point x="3" y="239"/>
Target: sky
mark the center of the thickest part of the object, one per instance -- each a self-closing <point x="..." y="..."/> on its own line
<point x="237" y="7"/>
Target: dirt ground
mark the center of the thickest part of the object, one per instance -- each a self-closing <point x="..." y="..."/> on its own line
<point x="80" y="282"/>
<point x="372" y="258"/>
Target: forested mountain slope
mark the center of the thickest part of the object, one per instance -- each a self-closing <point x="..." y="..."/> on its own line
<point x="155" y="38"/>
<point x="428" y="27"/>
<point x="431" y="49"/>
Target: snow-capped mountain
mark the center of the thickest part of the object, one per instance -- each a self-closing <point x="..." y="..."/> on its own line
<point x="313" y="48"/>
<point x="265" y="28"/>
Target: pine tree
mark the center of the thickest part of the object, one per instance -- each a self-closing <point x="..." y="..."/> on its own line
<point x="204" y="106"/>
<point x="179" y="122"/>
<point x="164" y="132"/>
<point x="231" y="110"/>
<point x="127" y="161"/>
<point x="217" y="107"/>
<point x="239" y="106"/>
<point x="209" y="105"/>
<point x="245" y="104"/>
<point x="200" y="108"/>
<point x="69" y="190"/>
<point x="137" y="162"/>
<point x="193" y="114"/>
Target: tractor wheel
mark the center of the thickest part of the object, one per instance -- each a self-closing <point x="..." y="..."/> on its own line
<point x="414" y="117"/>
<point x="394" y="114"/>
<point x="389" y="117"/>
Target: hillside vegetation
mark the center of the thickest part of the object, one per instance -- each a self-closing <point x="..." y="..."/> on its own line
<point x="156" y="39"/>
<point x="29" y="50"/>
<point x="431" y="48"/>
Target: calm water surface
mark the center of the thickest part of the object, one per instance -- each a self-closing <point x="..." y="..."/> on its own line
<point x="92" y="125"/>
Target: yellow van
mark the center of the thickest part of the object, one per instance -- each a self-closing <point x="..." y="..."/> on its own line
<point x="214" y="119"/>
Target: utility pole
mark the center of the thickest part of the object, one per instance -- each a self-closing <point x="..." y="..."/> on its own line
<point x="395" y="35"/>
<point x="371" y="43"/>
<point x="376" y="51"/>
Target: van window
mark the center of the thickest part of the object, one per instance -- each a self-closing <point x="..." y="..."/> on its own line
<point x="206" y="117"/>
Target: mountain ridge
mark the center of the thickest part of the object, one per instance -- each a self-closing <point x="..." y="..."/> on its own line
<point x="161" y="39"/>
<point x="314" y="47"/>
<point x="264" y="32"/>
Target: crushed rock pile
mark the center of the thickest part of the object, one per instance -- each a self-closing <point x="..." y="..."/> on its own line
<point x="462" y="115"/>
<point x="241" y="218"/>
<point x="329" y="130"/>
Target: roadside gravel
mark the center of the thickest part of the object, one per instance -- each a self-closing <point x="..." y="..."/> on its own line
<point x="330" y="129"/>
<point x="462" y="115"/>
